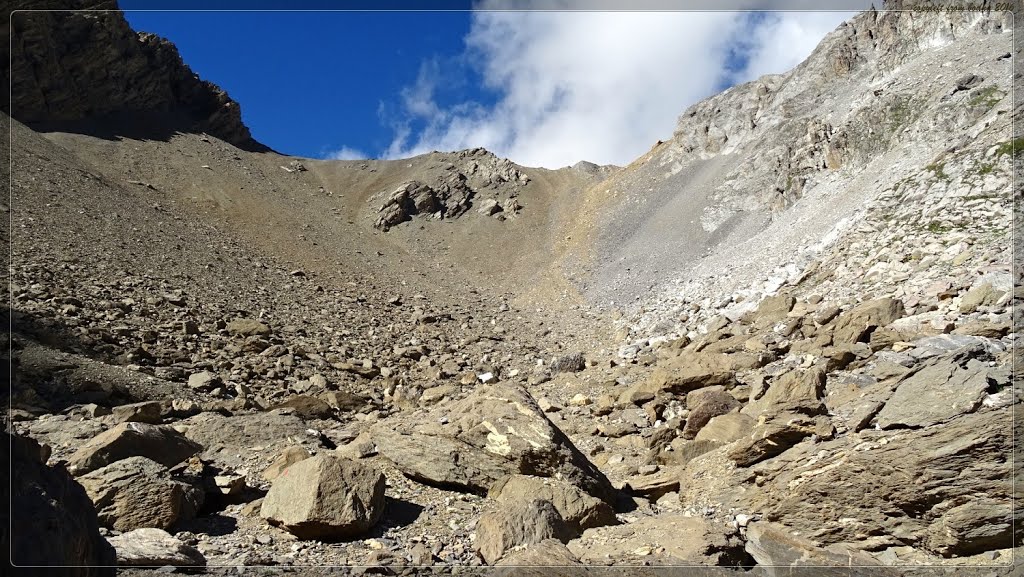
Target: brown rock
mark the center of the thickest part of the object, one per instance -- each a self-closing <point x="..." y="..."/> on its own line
<point x="798" y="391"/>
<point x="145" y="412"/>
<point x="674" y="539"/>
<point x="944" y="487"/>
<point x="160" y="443"/>
<point x="579" y="510"/>
<point x="857" y="324"/>
<point x="776" y="435"/>
<point x="136" y="492"/>
<point x="307" y="407"/>
<point x="709" y="405"/>
<point x="496" y="431"/>
<point x="537" y="560"/>
<point x="287" y="458"/>
<point x="655" y="485"/>
<point x="515" y="524"/>
<point x="726" y="428"/>
<point x="325" y="497"/>
<point x="248" y="328"/>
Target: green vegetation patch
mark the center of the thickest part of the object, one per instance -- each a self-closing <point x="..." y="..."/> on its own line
<point x="986" y="97"/>
<point x="938" y="169"/>
<point x="1011" y="147"/>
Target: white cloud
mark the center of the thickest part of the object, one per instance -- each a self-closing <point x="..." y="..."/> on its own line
<point x="345" y="153"/>
<point x="784" y="39"/>
<point x="597" y="86"/>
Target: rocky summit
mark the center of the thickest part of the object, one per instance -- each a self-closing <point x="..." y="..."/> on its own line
<point x="781" y="342"/>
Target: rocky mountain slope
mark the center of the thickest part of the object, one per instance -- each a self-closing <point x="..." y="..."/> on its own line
<point x="224" y="357"/>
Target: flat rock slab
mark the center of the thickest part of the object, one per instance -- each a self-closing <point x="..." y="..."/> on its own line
<point x="942" y="344"/>
<point x="325" y="497"/>
<point x="145" y="412"/>
<point x="248" y="327"/>
<point x="691" y="540"/>
<point x="776" y="548"/>
<point x="263" y="434"/>
<point x="942" y="389"/>
<point x="656" y="485"/>
<point x="952" y="480"/>
<point x="726" y="428"/>
<point x="691" y="371"/>
<point x="160" y="443"/>
<point x="496" y="431"/>
<point x="154" y="548"/>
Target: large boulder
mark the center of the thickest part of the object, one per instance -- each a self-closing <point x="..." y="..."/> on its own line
<point x="516" y="524"/>
<point x="498" y="430"/>
<point x="857" y="324"/>
<point x="137" y="492"/>
<point x="160" y="443"/>
<point x="705" y="407"/>
<point x="53" y="521"/>
<point x="151" y="547"/>
<point x="797" y="391"/>
<point x="579" y="510"/>
<point x="228" y="439"/>
<point x="325" y="497"/>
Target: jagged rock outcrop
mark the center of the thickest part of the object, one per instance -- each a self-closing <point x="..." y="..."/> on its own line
<point x="475" y="177"/>
<point x="90" y="71"/>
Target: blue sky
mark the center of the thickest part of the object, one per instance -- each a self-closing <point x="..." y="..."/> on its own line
<point x="544" y="89"/>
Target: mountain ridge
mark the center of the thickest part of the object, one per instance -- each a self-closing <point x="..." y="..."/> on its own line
<point x="124" y="83"/>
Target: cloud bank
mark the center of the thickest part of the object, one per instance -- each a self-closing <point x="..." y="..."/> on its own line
<point x="596" y="86"/>
<point x="345" y="153"/>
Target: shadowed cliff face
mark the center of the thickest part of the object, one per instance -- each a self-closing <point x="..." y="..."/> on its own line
<point x="89" y="72"/>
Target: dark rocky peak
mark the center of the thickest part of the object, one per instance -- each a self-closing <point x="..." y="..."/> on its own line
<point x="90" y="72"/>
